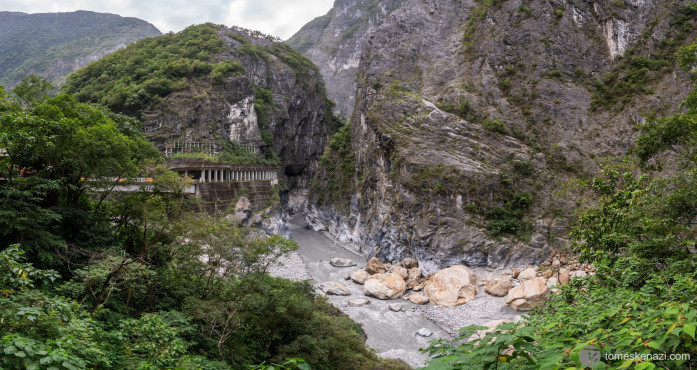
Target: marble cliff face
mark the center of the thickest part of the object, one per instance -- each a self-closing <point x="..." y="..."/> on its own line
<point x="463" y="109"/>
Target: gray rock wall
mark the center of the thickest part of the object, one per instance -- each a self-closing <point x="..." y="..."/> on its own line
<point x="334" y="42"/>
<point x="425" y="177"/>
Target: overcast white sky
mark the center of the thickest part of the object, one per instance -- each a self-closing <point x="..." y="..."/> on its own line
<point x="281" y="18"/>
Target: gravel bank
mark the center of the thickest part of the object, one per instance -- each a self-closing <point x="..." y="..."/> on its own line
<point x="392" y="334"/>
<point x="483" y="309"/>
<point x="290" y="267"/>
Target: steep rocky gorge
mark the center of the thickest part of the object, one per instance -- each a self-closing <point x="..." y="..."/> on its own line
<point x="470" y="120"/>
<point x="296" y="109"/>
<point x="334" y="42"/>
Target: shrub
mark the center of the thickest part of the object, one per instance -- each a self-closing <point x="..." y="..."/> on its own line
<point x="495" y="125"/>
<point x="224" y="69"/>
<point x="508" y="219"/>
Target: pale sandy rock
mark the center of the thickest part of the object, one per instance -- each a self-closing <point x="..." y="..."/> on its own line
<point x="528" y="295"/>
<point x="385" y="286"/>
<point x="564" y="276"/>
<point x="416" y="285"/>
<point x="401" y="271"/>
<point x="375" y="266"/>
<point x="499" y="287"/>
<point x="342" y="262"/>
<point x="358" y="302"/>
<point x="334" y="288"/>
<point x="578" y="274"/>
<point x="360" y="276"/>
<point x="517" y="304"/>
<point x="413" y="274"/>
<point x="452" y="286"/>
<point x="418" y="298"/>
<point x="527" y="274"/>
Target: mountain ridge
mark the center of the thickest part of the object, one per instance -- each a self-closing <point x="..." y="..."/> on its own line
<point x="53" y="45"/>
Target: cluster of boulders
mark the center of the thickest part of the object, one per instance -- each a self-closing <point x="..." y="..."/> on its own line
<point x="527" y="288"/>
<point x="449" y="287"/>
<point x="456" y="285"/>
<point x="387" y="281"/>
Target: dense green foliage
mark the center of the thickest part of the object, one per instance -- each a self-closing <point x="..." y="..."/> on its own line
<point x="50" y="44"/>
<point x="128" y="80"/>
<point x="659" y="318"/>
<point x="91" y="277"/>
<point x="641" y="238"/>
<point x="509" y="218"/>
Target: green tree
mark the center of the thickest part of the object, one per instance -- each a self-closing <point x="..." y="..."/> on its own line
<point x="32" y="90"/>
<point x="631" y="233"/>
<point x="52" y="150"/>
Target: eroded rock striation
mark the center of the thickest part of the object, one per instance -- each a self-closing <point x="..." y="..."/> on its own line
<point x="334" y="42"/>
<point x="469" y="117"/>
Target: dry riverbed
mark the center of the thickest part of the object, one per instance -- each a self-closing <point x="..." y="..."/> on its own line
<point x="395" y="328"/>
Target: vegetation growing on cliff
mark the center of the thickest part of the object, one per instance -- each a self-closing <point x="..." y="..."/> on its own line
<point x="130" y="79"/>
<point x="634" y="71"/>
<point x="91" y="278"/>
<point x="338" y="166"/>
<point x="641" y="238"/>
<point x="235" y="154"/>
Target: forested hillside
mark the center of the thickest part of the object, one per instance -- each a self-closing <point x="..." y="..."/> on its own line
<point x="53" y="45"/>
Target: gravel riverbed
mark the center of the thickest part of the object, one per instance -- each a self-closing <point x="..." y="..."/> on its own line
<point x="392" y="334"/>
<point x="290" y="267"/>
